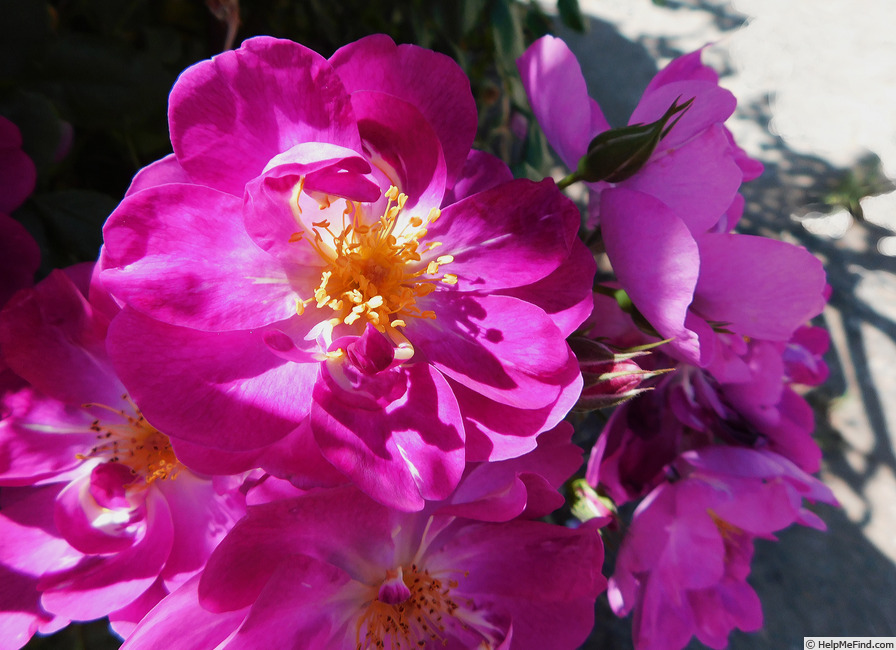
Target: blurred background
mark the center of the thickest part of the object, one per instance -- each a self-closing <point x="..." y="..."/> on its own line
<point x="87" y="82"/>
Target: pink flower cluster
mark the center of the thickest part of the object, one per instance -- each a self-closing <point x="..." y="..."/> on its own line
<point x="719" y="450"/>
<point x="315" y="390"/>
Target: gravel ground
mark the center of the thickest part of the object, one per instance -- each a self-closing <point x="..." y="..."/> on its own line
<point x="816" y="83"/>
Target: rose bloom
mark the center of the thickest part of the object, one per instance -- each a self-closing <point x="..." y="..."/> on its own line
<point x="666" y="229"/>
<point x="98" y="516"/>
<point x="333" y="569"/>
<point x="684" y="562"/>
<point x="325" y="281"/>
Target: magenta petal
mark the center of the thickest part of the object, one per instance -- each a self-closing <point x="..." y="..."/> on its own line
<point x="77" y="513"/>
<point x="712" y="105"/>
<point x="791" y="435"/>
<point x="101" y="584"/>
<point x="161" y="172"/>
<point x="549" y="70"/>
<point x="656" y="260"/>
<point x="54" y="321"/>
<point x="17" y="172"/>
<point x="404" y="146"/>
<point x="301" y="602"/>
<point x="40" y="437"/>
<point x="663" y="619"/>
<point x="758" y="287"/>
<point x="512" y="235"/>
<point x="501" y="490"/>
<point x="497" y="431"/>
<point x="698" y="180"/>
<point x="480" y="496"/>
<point x="506" y="349"/>
<point x="29" y="541"/>
<point x="180" y="253"/>
<point x="124" y="620"/>
<point x="21" y="615"/>
<point x="482" y="171"/>
<point x="551" y="603"/>
<point x="413" y="449"/>
<point x="565" y="295"/>
<point x="202" y="459"/>
<point x="167" y="623"/>
<point x="430" y="81"/>
<point x="494" y="554"/>
<point x="230" y="115"/>
<point x="247" y="558"/>
<point x="202" y="510"/>
<point x="109" y="483"/>
<point x="19" y="258"/>
<point x="693" y="552"/>
<point x="224" y="390"/>
<point x="684" y="68"/>
<point x="298" y="459"/>
<point x="269" y="208"/>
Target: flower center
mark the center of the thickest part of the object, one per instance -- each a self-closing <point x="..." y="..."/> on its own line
<point x="132" y="441"/>
<point x="408" y="612"/>
<point x="373" y="273"/>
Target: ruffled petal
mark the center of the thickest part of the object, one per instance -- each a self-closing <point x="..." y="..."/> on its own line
<point x="167" y="623"/>
<point x="509" y="236"/>
<point x="203" y="510"/>
<point x="230" y="115"/>
<point x="54" y="321"/>
<point x="549" y="71"/>
<point x="430" y="81"/>
<point x="247" y="558"/>
<point x="401" y="451"/>
<point x="161" y="172"/>
<point x="404" y="146"/>
<point x="565" y="295"/>
<point x="482" y="171"/>
<point x="656" y="260"/>
<point x="304" y="601"/>
<point x="180" y="254"/>
<point x="100" y="584"/>
<point x="40" y="437"/>
<point x="225" y="390"/>
<point x="758" y="287"/>
<point x="501" y="347"/>
<point x="698" y="180"/>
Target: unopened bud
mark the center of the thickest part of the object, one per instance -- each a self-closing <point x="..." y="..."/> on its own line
<point x="610" y="376"/>
<point x="618" y="154"/>
<point x="587" y="504"/>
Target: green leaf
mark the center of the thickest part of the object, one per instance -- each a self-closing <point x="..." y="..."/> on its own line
<point x="104" y="85"/>
<point x="39" y="124"/>
<point x="24" y="32"/>
<point x="74" y="222"/>
<point x="537" y="22"/>
<point x="508" y="33"/>
<point x="471" y="12"/>
<point x="571" y="15"/>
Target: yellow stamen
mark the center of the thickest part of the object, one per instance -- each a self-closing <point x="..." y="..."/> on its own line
<point x="134" y="442"/>
<point x="421" y="620"/>
<point x="371" y="273"/>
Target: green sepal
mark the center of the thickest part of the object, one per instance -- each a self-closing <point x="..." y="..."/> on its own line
<point x="618" y="154"/>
